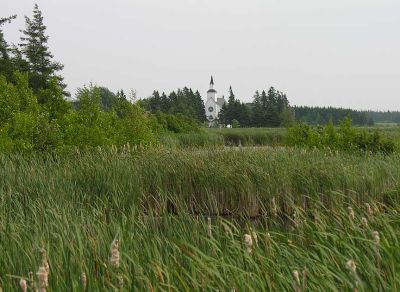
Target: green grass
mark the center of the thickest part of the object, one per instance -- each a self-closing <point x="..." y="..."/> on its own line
<point x="156" y="203"/>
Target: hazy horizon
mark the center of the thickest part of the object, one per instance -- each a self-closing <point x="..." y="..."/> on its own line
<point x="340" y="54"/>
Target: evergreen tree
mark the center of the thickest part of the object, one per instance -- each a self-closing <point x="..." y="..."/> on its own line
<point x="230" y="108"/>
<point x="257" y="119"/>
<point x="35" y="50"/>
<point x="6" y="65"/>
<point x="200" y="109"/>
<point x="271" y="113"/>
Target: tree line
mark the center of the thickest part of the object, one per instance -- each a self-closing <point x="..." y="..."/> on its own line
<point x="186" y="102"/>
<point x="269" y="109"/>
<point x="323" y="115"/>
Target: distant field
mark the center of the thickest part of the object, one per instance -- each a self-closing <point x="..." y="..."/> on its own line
<point x="281" y="219"/>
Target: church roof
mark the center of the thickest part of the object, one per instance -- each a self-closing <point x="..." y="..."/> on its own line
<point x="220" y="101"/>
<point x="211" y="90"/>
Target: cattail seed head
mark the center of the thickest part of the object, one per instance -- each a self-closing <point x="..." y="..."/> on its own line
<point x="351" y="213"/>
<point x="23" y="285"/>
<point x="296" y="283"/>
<point x="376" y="237"/>
<point x="248" y="242"/>
<point x="84" y="280"/>
<point x="255" y="237"/>
<point x="45" y="262"/>
<point x="364" y="222"/>
<point x="43" y="280"/>
<point x="296" y="276"/>
<point x="30" y="279"/>
<point x="209" y="227"/>
<point x="274" y="207"/>
<point x="296" y="221"/>
<point x="227" y="230"/>
<point x="115" y="253"/>
<point x="369" y="209"/>
<point x="351" y="265"/>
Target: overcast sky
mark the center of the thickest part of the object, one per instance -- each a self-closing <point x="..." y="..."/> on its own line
<point x="339" y="52"/>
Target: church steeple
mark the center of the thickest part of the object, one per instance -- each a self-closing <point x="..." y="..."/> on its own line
<point x="211" y="92"/>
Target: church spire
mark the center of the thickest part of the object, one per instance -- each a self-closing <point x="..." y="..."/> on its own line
<point x="212" y="81"/>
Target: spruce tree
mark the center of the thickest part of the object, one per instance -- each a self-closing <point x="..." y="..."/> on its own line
<point x="35" y="50"/>
<point x="6" y="65"/>
<point x="257" y="119"/>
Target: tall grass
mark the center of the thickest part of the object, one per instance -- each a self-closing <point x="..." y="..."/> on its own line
<point x="155" y="204"/>
<point x="251" y="136"/>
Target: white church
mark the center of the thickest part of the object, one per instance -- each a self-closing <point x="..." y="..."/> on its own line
<point x="213" y="105"/>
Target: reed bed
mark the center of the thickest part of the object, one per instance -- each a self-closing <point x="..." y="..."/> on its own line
<point x="138" y="219"/>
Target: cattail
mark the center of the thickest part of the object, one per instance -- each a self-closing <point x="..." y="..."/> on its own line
<point x="290" y="242"/>
<point x="351" y="213"/>
<point x="43" y="279"/>
<point x="351" y="265"/>
<point x="23" y="285"/>
<point x="377" y="241"/>
<point x="84" y="280"/>
<point x="30" y="280"/>
<point x="248" y="242"/>
<point x="45" y="262"/>
<point x="227" y="230"/>
<point x="267" y="238"/>
<point x="364" y="222"/>
<point x="120" y="281"/>
<point x="304" y="278"/>
<point x="209" y="226"/>
<point x="369" y="209"/>
<point x="296" y="283"/>
<point x="296" y="220"/>
<point x="376" y="237"/>
<point x="274" y="207"/>
<point x="115" y="253"/>
<point x="255" y="237"/>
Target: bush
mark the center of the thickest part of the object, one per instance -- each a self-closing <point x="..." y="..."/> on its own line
<point x="344" y="138"/>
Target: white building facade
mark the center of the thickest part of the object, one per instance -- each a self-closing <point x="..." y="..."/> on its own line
<point x="213" y="105"/>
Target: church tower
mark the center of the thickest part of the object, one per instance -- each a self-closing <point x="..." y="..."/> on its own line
<point x="211" y="93"/>
<point x="213" y="105"/>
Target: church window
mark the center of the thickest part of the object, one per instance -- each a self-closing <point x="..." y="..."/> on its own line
<point x="210" y="109"/>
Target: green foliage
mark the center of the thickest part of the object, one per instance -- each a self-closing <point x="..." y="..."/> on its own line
<point x="26" y="125"/>
<point x="178" y="123"/>
<point x="235" y="123"/>
<point x="184" y="102"/>
<point x="89" y="125"/>
<point x="344" y="138"/>
<point x="9" y="101"/>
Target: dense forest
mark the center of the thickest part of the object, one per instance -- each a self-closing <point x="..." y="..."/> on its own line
<point x="184" y="101"/>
